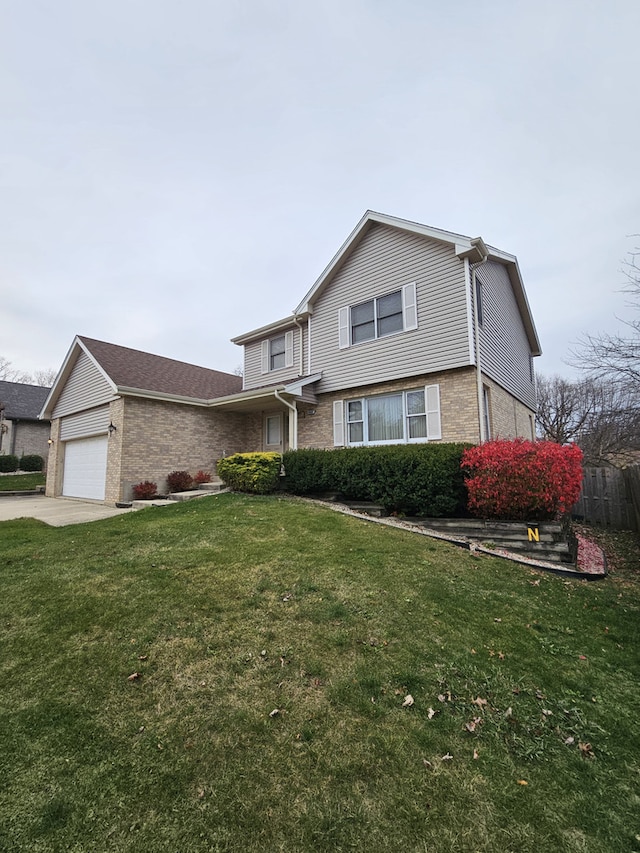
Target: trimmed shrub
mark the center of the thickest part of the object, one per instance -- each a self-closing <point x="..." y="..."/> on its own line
<point x="202" y="477"/>
<point x="32" y="462"/>
<point x="522" y="480"/>
<point x="258" y="473"/>
<point x="179" y="481"/>
<point x="415" y="479"/>
<point x="145" y="490"/>
<point x="8" y="463"/>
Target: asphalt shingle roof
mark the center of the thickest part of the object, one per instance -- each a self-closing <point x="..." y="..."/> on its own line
<point x="130" y="368"/>
<point x="22" y="402"/>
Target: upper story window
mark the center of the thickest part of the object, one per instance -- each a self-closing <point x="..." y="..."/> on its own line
<point x="277" y="353"/>
<point x="378" y="317"/>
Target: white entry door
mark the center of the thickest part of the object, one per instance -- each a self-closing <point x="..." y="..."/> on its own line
<point x="85" y="468"/>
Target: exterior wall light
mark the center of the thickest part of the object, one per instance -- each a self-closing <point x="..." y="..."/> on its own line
<point x="112" y="428"/>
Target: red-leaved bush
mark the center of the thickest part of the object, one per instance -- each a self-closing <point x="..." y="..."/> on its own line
<point x="179" y="481"/>
<point x="202" y="477"/>
<point x="522" y="480"/>
<point x="145" y="490"/>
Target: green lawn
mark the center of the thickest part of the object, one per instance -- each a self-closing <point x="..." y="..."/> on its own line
<point x="233" y="674"/>
<point x="21" y="482"/>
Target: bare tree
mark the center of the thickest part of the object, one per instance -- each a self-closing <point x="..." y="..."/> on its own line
<point x="615" y="357"/>
<point x="8" y="373"/>
<point x="564" y="407"/>
<point x="601" y="417"/>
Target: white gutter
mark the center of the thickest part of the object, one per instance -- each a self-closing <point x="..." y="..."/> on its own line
<point x="301" y="369"/>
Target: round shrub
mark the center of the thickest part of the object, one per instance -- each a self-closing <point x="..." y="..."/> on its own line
<point x="8" y="463"/>
<point x="145" y="490"/>
<point x="258" y="473"/>
<point x="522" y="480"/>
<point x="32" y="462"/>
<point x="179" y="481"/>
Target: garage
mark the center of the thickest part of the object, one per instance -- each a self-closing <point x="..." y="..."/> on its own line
<point x="85" y="468"/>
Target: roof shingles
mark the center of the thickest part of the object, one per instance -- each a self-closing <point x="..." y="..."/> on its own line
<point x="142" y="371"/>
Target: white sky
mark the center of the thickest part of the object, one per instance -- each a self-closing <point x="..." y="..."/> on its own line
<point x="177" y="173"/>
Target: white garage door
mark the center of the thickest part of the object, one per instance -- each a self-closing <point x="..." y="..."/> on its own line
<point x="85" y="468"/>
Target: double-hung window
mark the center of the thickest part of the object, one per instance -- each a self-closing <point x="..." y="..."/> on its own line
<point x="378" y="317"/>
<point x="277" y="353"/>
<point x="398" y="418"/>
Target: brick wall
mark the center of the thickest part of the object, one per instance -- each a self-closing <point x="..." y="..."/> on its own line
<point x="458" y="407"/>
<point x="508" y="416"/>
<point x="159" y="437"/>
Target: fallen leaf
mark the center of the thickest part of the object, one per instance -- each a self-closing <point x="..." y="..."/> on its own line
<point x="471" y="727"/>
<point x="143" y="657"/>
<point x="479" y="702"/>
<point x="431" y="713"/>
<point x="586" y="750"/>
<point x="570" y="741"/>
<point x="522" y="782"/>
<point x="547" y="713"/>
<point x="275" y="712"/>
<point x="497" y="620"/>
<point x="134" y="676"/>
<point x="427" y="764"/>
<point x="475" y="755"/>
<point x="501" y="655"/>
<point x="582" y="657"/>
<point x="447" y="757"/>
<point x="509" y="712"/>
<point x="535" y="583"/>
<point x="408" y="701"/>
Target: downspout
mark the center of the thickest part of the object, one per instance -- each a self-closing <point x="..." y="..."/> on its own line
<point x="476" y="334"/>
<point x="293" y="421"/>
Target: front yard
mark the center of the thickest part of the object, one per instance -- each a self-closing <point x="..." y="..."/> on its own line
<point x="248" y="674"/>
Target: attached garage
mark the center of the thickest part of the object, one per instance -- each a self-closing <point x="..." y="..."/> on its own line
<point x="85" y="468"/>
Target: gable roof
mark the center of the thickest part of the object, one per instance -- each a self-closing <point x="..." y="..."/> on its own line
<point x="139" y="373"/>
<point x="22" y="402"/>
<point x="473" y="248"/>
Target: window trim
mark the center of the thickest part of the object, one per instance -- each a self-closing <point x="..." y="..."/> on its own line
<point x="431" y="413"/>
<point x="266" y="356"/>
<point x="408" y="310"/>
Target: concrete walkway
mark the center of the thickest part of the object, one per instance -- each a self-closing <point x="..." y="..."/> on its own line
<point x="57" y="512"/>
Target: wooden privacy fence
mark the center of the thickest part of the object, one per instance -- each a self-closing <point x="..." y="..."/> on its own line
<point x="610" y="497"/>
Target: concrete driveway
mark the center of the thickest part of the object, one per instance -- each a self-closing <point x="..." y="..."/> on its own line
<point x="57" y="512"/>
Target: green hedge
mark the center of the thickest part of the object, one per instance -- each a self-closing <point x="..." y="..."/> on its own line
<point x="258" y="473"/>
<point x="32" y="462"/>
<point x="423" y="479"/>
<point x="8" y="463"/>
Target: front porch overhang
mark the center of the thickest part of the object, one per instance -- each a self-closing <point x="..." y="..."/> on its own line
<point x="257" y="399"/>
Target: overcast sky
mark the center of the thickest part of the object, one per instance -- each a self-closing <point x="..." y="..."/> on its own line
<point x="178" y="173"/>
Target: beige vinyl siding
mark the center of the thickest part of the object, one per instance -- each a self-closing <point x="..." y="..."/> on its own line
<point x="253" y="375"/>
<point x="82" y="424"/>
<point x="85" y="389"/>
<point x="386" y="260"/>
<point x="504" y="348"/>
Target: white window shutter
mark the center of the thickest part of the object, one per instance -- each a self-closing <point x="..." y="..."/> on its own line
<point x="409" y="306"/>
<point x="288" y="349"/>
<point x="432" y="399"/>
<point x="343" y="328"/>
<point x="338" y="423"/>
<point x="265" y="357"/>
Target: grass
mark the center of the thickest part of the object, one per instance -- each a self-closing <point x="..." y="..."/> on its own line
<point x="21" y="482"/>
<point x="230" y="674"/>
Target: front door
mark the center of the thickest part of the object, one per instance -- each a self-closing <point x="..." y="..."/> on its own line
<point x="275" y="431"/>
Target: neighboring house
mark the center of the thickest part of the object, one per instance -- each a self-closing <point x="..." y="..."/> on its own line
<point x="21" y="431"/>
<point x="411" y="334"/>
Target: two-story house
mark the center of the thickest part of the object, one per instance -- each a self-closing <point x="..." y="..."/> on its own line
<point x="411" y="334"/>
